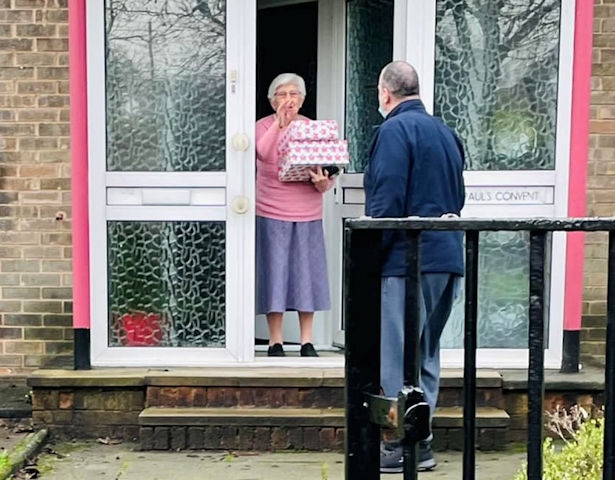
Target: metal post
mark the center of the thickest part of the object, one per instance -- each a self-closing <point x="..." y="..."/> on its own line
<point x="362" y="330"/>
<point x="81" y="347"/>
<point x="609" y="381"/>
<point x="469" y="366"/>
<point x="412" y="336"/>
<point x="535" y="387"/>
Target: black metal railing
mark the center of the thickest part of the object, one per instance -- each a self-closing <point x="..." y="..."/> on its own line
<point x="367" y="411"/>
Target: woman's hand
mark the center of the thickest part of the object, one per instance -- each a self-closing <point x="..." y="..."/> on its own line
<point x="284" y="114"/>
<point x="320" y="179"/>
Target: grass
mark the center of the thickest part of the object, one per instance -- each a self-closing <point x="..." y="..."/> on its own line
<point x="4" y="460"/>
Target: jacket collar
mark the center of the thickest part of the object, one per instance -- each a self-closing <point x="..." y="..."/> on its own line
<point x="414" y="105"/>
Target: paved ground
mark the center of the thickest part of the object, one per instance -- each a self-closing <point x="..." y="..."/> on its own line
<point x="92" y="460"/>
<point x="123" y="461"/>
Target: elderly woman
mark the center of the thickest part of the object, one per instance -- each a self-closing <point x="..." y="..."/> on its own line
<point x="291" y="267"/>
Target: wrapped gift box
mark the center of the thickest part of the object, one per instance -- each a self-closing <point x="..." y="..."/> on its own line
<point x="299" y="157"/>
<point x="309" y="130"/>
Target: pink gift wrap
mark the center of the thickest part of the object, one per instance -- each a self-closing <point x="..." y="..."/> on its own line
<point x="298" y="158"/>
<point x="307" y="130"/>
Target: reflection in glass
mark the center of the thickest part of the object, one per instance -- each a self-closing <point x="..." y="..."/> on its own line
<point x="503" y="292"/>
<point x="369" y="37"/>
<point x="496" y="74"/>
<point x="165" y="85"/>
<point x="166" y="284"/>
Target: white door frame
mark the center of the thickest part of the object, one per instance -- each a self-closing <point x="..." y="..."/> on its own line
<point x="122" y="196"/>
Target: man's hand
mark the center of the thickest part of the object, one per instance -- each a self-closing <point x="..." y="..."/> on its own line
<point x="320" y="179"/>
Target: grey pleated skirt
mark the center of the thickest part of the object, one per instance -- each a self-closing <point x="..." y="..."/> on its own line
<point x="291" y="266"/>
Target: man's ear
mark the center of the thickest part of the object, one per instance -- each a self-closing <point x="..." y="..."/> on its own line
<point x="387" y="95"/>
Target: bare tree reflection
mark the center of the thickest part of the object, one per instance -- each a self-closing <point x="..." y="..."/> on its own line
<point x="496" y="79"/>
<point x="165" y="84"/>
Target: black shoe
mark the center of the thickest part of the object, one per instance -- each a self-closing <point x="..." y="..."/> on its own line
<point x="276" y="350"/>
<point x="308" y="350"/>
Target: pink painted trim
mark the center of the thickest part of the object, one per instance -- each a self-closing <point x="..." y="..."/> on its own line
<point x="79" y="157"/>
<point x="579" y="146"/>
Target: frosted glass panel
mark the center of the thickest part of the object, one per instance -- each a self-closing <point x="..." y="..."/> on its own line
<point x="369" y="38"/>
<point x="496" y="74"/>
<point x="165" y="85"/>
<point x="166" y="284"/>
<point x="503" y="290"/>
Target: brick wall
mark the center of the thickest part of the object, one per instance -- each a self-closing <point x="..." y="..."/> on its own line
<point x="601" y="176"/>
<point x="35" y="247"/>
<point x="35" y="240"/>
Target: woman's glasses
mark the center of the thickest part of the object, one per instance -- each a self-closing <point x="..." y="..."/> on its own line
<point x="293" y="94"/>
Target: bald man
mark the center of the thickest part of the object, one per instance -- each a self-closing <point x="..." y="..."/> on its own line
<point x="415" y="169"/>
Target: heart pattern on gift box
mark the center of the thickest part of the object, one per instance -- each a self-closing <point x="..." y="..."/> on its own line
<point x="307" y="144"/>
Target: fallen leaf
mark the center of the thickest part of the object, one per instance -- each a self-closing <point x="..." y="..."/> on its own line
<point x="109" y="441"/>
<point x="21" y="428"/>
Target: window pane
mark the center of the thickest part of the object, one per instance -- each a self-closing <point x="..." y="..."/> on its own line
<point x="369" y="37"/>
<point x="496" y="76"/>
<point x="165" y="85"/>
<point x="166" y="284"/>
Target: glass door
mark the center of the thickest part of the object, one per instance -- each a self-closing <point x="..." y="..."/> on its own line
<point x="499" y="73"/>
<point x="372" y="36"/>
<point x="171" y="155"/>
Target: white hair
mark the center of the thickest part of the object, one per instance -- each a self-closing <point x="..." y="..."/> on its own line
<point x="286" y="79"/>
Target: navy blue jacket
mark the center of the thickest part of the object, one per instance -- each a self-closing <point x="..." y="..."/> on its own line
<point x="416" y="169"/>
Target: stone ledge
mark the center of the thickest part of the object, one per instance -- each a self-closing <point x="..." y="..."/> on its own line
<point x="108" y="377"/>
<point x="486" y="417"/>
<point x="254" y="417"/>
<point x="246" y="377"/>
<point x="223" y="376"/>
<point x="588" y="379"/>
<point x="485" y="378"/>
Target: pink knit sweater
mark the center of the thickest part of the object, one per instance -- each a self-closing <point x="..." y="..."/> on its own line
<point x="289" y="201"/>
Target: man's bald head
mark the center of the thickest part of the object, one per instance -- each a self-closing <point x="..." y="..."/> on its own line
<point x="400" y="79"/>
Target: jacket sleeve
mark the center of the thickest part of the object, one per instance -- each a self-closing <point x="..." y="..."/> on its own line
<point x="462" y="187"/>
<point x="389" y="174"/>
<point x="390" y="168"/>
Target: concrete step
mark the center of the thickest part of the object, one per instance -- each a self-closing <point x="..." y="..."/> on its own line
<point x="295" y="390"/>
<point x="259" y="429"/>
<point x="488" y="388"/>
<point x="486" y="417"/>
<point x="252" y="417"/>
<point x="264" y="429"/>
<point x="492" y="426"/>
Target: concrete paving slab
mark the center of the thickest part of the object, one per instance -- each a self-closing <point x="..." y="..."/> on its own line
<point x="92" y="460"/>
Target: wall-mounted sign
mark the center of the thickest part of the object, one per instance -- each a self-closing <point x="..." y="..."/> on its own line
<point x="532" y="195"/>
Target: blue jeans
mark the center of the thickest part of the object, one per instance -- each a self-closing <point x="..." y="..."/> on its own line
<point x="439" y="292"/>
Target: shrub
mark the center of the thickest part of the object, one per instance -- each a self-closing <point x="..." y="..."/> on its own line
<point x="581" y="454"/>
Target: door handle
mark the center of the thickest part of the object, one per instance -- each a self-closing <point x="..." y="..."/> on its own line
<point x="240" y="204"/>
<point x="240" y="142"/>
